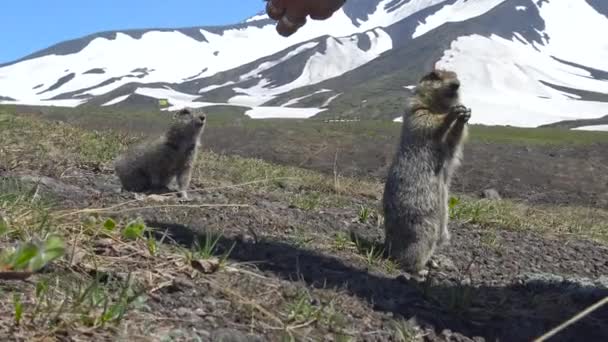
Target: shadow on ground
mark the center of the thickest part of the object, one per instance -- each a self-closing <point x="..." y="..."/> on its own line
<point x="515" y="312"/>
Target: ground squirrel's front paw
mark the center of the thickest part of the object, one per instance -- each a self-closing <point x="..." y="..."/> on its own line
<point x="457" y="111"/>
<point x="465" y="116"/>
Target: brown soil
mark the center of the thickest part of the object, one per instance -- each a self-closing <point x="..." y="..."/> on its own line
<point x="553" y="174"/>
<point x="281" y="252"/>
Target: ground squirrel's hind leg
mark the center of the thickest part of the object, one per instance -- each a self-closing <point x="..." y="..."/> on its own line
<point x="444" y="233"/>
<point x="183" y="180"/>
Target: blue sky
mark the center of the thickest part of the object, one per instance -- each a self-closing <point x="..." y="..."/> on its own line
<point x="27" y="26"/>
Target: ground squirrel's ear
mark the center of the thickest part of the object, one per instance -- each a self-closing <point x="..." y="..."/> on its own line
<point x="182" y="114"/>
<point x="431" y="76"/>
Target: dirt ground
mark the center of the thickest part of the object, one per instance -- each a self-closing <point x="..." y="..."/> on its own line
<point x="492" y="286"/>
<point x="553" y="174"/>
<point x="305" y="268"/>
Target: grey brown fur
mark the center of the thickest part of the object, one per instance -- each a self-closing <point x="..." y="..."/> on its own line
<point x="415" y="200"/>
<point x="150" y="167"/>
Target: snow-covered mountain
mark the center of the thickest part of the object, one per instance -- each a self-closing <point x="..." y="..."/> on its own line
<point x="521" y="62"/>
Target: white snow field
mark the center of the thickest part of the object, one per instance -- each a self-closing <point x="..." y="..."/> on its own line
<point x="342" y="55"/>
<point x="461" y="10"/>
<point x="502" y="78"/>
<point x="603" y="128"/>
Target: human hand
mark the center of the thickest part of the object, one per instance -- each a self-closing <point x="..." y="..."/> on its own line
<point x="291" y="14"/>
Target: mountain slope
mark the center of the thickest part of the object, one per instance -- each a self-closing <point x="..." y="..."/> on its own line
<point x="521" y="62"/>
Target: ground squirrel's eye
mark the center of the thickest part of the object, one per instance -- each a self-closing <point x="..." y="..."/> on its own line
<point x="432" y="76"/>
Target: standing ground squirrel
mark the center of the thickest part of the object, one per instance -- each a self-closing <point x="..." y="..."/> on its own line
<point x="150" y="167"/>
<point x="415" y="200"/>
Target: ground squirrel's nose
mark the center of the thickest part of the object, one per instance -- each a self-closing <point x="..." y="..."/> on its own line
<point x="454" y="85"/>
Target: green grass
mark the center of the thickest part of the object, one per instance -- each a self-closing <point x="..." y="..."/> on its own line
<point x="286" y="130"/>
<point x="590" y="223"/>
<point x="32" y="238"/>
<point x="405" y="331"/>
<point x="103" y="293"/>
<point x="535" y="136"/>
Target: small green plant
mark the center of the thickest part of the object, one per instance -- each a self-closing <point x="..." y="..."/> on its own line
<point x="342" y="242"/>
<point x="307" y="201"/>
<point x="32" y="256"/>
<point x="302" y="309"/>
<point x="472" y="211"/>
<point x="109" y="224"/>
<point x="452" y="204"/>
<point x="491" y="239"/>
<point x="405" y="331"/>
<point x="300" y="239"/>
<point x="134" y="230"/>
<point x="364" y="214"/>
<point x="207" y="247"/>
<point x="18" y="304"/>
<point x="3" y="226"/>
<point x="372" y="253"/>
<point x="391" y="266"/>
<point x="93" y="303"/>
<point x="152" y="244"/>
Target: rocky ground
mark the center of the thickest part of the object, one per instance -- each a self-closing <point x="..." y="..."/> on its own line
<point x="265" y="252"/>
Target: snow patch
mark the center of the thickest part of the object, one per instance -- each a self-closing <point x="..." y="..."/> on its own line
<point x="342" y="55"/>
<point x="330" y="100"/>
<point x="461" y="10"/>
<point x="215" y="86"/>
<point x="261" y="112"/>
<point x="116" y="100"/>
<point x="570" y="41"/>
<point x="175" y="56"/>
<point x="383" y="18"/>
<point x="51" y="103"/>
<point x="297" y="99"/>
<point x="500" y="81"/>
<point x="180" y="100"/>
<point x="257" y="17"/>
<point x="602" y="128"/>
<point x="267" y="65"/>
<point x="521" y="8"/>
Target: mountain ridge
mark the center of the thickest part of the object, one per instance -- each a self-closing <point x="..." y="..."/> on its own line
<point x="357" y="63"/>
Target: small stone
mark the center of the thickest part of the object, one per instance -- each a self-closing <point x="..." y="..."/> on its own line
<point x="184" y="312"/>
<point x="206" y="266"/>
<point x="443" y="262"/>
<point x="491" y="194"/>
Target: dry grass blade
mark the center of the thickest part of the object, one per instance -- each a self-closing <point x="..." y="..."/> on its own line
<point x="251" y="303"/>
<point x="110" y="211"/>
<point x="572" y="320"/>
